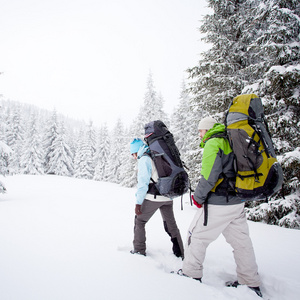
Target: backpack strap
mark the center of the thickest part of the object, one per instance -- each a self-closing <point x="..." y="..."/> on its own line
<point x="153" y="187"/>
<point x="205" y="204"/>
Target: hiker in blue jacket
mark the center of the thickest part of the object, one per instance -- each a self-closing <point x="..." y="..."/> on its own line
<point x="148" y="201"/>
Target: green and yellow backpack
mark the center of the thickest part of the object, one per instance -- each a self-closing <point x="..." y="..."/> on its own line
<point x="258" y="173"/>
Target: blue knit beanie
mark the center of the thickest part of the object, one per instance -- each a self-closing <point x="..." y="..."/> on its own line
<point x="135" y="145"/>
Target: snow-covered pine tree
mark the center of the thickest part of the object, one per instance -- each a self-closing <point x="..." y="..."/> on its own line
<point x="151" y="109"/>
<point x="83" y="161"/>
<point x="275" y="73"/>
<point x="276" y="65"/>
<point x="5" y="154"/>
<point x="184" y="123"/>
<point x="91" y="138"/>
<point x="15" y="138"/>
<point x="117" y="147"/>
<point x="32" y="155"/>
<point x="128" y="170"/>
<point x="102" y="154"/>
<point x="219" y="75"/>
<point x="13" y="130"/>
<point x="182" y="127"/>
<point x="61" y="157"/>
<point x="255" y="44"/>
<point x="50" y="137"/>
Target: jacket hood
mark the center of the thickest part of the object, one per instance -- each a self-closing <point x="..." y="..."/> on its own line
<point x="218" y="128"/>
<point x="143" y="149"/>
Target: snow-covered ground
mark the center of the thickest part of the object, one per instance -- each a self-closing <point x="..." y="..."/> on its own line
<point x="67" y="239"/>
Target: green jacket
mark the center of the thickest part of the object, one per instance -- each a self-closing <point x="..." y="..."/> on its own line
<point x="217" y="167"/>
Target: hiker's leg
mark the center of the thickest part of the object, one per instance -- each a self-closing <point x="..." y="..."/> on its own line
<point x="200" y="236"/>
<point x="237" y="235"/>
<point x="171" y="228"/>
<point x="139" y="241"/>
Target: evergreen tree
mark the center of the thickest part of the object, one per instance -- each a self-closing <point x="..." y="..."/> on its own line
<point x="219" y="75"/>
<point x="255" y="48"/>
<point x="51" y="136"/>
<point x="118" y="144"/>
<point x="276" y="65"/>
<point x="15" y="139"/>
<point x="128" y="169"/>
<point x="152" y="108"/>
<point x="13" y="129"/>
<point x="181" y="127"/>
<point x="61" y="157"/>
<point x="276" y="69"/>
<point x="83" y="161"/>
<point x="32" y="154"/>
<point x="102" y="155"/>
<point x="91" y="139"/>
<point x="5" y="154"/>
<point x="185" y="130"/>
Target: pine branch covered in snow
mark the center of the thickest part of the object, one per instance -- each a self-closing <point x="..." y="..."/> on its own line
<point x="255" y="48"/>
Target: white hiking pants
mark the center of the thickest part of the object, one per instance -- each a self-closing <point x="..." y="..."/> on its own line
<point x="230" y="220"/>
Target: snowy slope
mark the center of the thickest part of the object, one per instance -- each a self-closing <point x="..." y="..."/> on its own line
<point x="64" y="238"/>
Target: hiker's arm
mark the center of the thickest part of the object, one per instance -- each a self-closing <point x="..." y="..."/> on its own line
<point x="144" y="175"/>
<point x="210" y="171"/>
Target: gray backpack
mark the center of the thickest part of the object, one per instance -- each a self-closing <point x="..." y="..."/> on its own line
<point x="173" y="180"/>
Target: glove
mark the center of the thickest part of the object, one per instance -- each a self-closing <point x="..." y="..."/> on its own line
<point x="195" y="202"/>
<point x="138" y="210"/>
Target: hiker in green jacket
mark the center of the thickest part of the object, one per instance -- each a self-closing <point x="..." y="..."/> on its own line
<point x="220" y="211"/>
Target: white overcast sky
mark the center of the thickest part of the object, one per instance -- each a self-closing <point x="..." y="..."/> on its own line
<point x="90" y="59"/>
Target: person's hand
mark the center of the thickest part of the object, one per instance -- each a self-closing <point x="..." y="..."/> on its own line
<point x="195" y="202"/>
<point x="138" y="210"/>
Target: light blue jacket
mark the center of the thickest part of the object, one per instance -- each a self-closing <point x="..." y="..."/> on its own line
<point x="144" y="174"/>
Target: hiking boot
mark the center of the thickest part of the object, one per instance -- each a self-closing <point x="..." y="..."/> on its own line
<point x="179" y="255"/>
<point x="138" y="252"/>
<point x="180" y="273"/>
<point x="235" y="284"/>
<point x="232" y="284"/>
<point x="256" y="289"/>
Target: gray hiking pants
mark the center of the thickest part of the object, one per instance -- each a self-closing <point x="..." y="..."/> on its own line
<point x="170" y="226"/>
<point x="230" y="220"/>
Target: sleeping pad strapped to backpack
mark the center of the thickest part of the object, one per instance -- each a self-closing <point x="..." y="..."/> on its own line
<point x="259" y="175"/>
<point x="173" y="179"/>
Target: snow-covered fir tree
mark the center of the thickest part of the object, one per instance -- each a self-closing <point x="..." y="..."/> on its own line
<point x="219" y="75"/>
<point x="128" y="169"/>
<point x="276" y="65"/>
<point x="91" y="138"/>
<point x="276" y="68"/>
<point x="151" y="109"/>
<point x="184" y="127"/>
<point x="50" y="139"/>
<point x="102" y="154"/>
<point x="61" y="157"/>
<point x="255" y="48"/>
<point x="83" y="161"/>
<point x="15" y="138"/>
<point x="13" y="128"/>
<point x="5" y="154"/>
<point x="32" y="155"/>
<point x="117" y="148"/>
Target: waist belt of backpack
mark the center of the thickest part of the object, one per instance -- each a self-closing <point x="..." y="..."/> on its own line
<point x="226" y="187"/>
<point x="153" y="189"/>
<point x="205" y="207"/>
